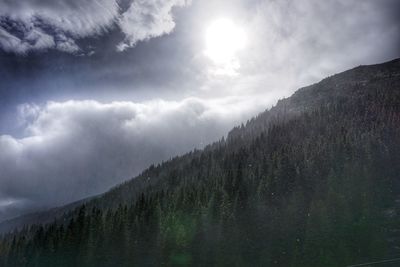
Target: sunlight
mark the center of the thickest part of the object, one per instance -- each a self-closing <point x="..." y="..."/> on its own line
<point x="224" y="40"/>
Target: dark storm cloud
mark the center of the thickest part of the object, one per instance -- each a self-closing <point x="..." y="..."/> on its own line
<point x="44" y="24"/>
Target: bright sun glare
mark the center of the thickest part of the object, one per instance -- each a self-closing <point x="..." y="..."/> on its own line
<point x="224" y="40"/>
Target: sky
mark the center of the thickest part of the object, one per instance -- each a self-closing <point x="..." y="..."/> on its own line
<point x="93" y="92"/>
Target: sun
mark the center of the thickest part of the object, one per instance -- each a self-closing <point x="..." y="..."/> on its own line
<point x="224" y="39"/>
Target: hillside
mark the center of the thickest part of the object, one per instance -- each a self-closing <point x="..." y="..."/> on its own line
<point x="314" y="181"/>
<point x="307" y="98"/>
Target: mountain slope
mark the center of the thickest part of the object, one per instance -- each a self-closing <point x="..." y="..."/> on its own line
<point x="307" y="98"/>
<point x="312" y="182"/>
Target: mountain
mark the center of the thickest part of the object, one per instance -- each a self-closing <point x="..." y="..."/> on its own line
<point x="314" y="181"/>
<point x="41" y="217"/>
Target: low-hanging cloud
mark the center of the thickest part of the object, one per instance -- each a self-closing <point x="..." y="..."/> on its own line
<point x="28" y="25"/>
<point x="75" y="149"/>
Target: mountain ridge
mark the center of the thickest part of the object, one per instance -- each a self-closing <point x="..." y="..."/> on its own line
<point x="311" y="182"/>
<point x="287" y="107"/>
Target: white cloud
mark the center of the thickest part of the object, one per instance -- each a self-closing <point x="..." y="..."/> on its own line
<point x="27" y="25"/>
<point x="75" y="149"/>
<point x="300" y="42"/>
<point x="147" y="19"/>
<point x="295" y="43"/>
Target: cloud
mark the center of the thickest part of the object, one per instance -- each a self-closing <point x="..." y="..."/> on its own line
<point x="147" y="19"/>
<point x="307" y="40"/>
<point x="12" y="207"/>
<point x="29" y="25"/>
<point x="74" y="149"/>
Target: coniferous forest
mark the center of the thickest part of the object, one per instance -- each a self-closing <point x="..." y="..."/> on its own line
<point x="314" y="181"/>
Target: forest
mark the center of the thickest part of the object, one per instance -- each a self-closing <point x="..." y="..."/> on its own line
<point x="314" y="181"/>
